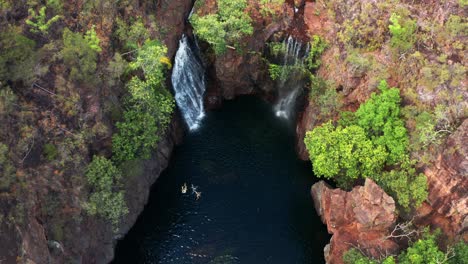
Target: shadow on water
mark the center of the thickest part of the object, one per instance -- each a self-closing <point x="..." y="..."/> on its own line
<point x="255" y="204"/>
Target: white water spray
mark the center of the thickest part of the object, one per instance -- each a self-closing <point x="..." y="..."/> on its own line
<point x="188" y="80"/>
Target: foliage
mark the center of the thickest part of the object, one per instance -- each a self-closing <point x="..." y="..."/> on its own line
<point x="143" y="122"/>
<point x="50" y="151"/>
<point x="324" y="94"/>
<point x="152" y="60"/>
<point x="407" y="187"/>
<point x="93" y="40"/>
<point x="367" y="30"/>
<point x="7" y="169"/>
<point x="148" y="108"/>
<point x="317" y="47"/>
<point x="344" y="154"/>
<point x="461" y="253"/>
<point x="7" y="100"/>
<point x="423" y="251"/>
<point x="380" y="118"/>
<point x="116" y="69"/>
<point x="353" y="256"/>
<point x="41" y="25"/>
<point x="403" y="32"/>
<point x="456" y="26"/>
<point x="18" y="57"/>
<point x="134" y="35"/>
<point x="270" y="7"/>
<point x="227" y="27"/>
<point x="78" y="56"/>
<point x="275" y="71"/>
<point x="106" y="199"/>
<point x="56" y="5"/>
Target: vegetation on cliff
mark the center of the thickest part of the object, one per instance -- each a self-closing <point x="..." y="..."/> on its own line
<point x="364" y="143"/>
<point x="75" y="82"/>
<point x="226" y="27"/>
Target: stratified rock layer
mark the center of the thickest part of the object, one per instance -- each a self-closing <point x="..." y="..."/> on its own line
<point x="360" y="218"/>
<point x="447" y="203"/>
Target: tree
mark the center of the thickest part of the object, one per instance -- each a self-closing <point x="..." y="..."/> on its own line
<point x="18" y="57"/>
<point x="380" y="118"/>
<point x="403" y="32"/>
<point x="407" y="187"/>
<point x="423" y="251"/>
<point x="344" y="154"/>
<point x="78" y="56"/>
<point x="107" y="199"/>
<point x="149" y="106"/>
<point x="227" y="27"/>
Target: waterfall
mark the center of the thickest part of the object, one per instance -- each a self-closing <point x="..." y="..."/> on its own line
<point x="291" y="79"/>
<point x="188" y="80"/>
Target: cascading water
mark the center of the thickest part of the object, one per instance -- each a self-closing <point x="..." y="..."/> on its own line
<point x="188" y="80"/>
<point x="291" y="79"/>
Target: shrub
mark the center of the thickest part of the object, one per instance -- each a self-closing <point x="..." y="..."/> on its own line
<point x="134" y="35"/>
<point x="407" y="187"/>
<point x="275" y="71"/>
<point x="317" y="47"/>
<point x="107" y="199"/>
<point x="78" y="56"/>
<point x="93" y="40"/>
<point x="227" y="27"/>
<point x="270" y="7"/>
<point x="403" y="32"/>
<point x="18" y="57"/>
<point x="50" y="152"/>
<point x="7" y="170"/>
<point x="41" y="25"/>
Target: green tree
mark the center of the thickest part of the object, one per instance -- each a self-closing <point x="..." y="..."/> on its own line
<point x="380" y="118"/>
<point x="408" y="187"/>
<point x="227" y="27"/>
<point x="149" y="106"/>
<point x="107" y="198"/>
<point x="344" y="154"/>
<point x="134" y="35"/>
<point x="41" y="25"/>
<point x="18" y="57"/>
<point x="423" y="251"/>
<point x="78" y="56"/>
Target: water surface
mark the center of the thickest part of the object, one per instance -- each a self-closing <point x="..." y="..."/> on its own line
<point x="255" y="204"/>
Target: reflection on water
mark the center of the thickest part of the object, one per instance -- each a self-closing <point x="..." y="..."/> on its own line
<point x="254" y="206"/>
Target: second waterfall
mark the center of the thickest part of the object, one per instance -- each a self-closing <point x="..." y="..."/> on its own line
<point x="188" y="80"/>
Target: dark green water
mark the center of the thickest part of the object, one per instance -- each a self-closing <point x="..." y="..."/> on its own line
<point x="255" y="204"/>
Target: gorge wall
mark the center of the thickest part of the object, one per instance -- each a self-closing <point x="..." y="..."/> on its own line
<point x="48" y="199"/>
<point x="43" y="218"/>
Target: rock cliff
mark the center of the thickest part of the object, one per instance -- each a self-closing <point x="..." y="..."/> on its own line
<point x="361" y="218"/>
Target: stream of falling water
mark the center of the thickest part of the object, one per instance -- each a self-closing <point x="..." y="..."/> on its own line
<point x="188" y="80"/>
<point x="291" y="81"/>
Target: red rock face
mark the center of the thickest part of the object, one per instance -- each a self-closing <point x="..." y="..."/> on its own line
<point x="447" y="203"/>
<point x="362" y="217"/>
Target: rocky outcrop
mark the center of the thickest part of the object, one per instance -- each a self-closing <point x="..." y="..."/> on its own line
<point x="447" y="203"/>
<point x="240" y="73"/>
<point x="360" y="218"/>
